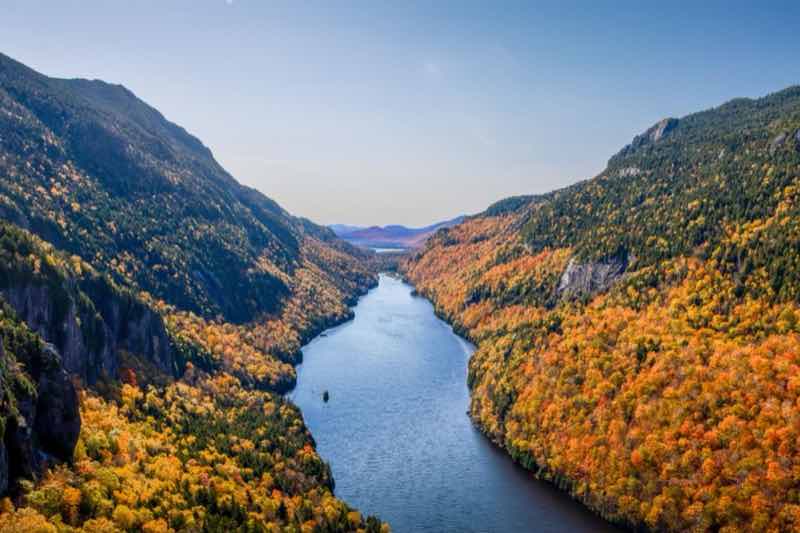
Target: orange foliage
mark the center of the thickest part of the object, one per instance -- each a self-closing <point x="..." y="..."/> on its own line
<point x="671" y="405"/>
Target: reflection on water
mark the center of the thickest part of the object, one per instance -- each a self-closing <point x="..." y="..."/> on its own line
<point x="396" y="433"/>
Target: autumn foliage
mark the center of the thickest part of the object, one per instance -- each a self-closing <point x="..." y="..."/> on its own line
<point x="673" y="405"/>
<point x="218" y="449"/>
<point x="671" y="399"/>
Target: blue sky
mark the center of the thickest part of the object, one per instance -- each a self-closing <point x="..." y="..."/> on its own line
<point x="412" y="112"/>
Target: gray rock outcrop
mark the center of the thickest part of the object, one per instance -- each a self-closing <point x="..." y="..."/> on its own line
<point x="777" y="142"/>
<point x="46" y="425"/>
<point x="629" y="172"/>
<point x="39" y="308"/>
<point x="654" y="134"/>
<point x="90" y="344"/>
<point x="585" y="279"/>
<point x="662" y="128"/>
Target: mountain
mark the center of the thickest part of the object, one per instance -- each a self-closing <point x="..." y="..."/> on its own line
<point x="96" y="171"/>
<point x="392" y="236"/>
<point x="638" y="333"/>
<point x="151" y="312"/>
<point x="343" y="229"/>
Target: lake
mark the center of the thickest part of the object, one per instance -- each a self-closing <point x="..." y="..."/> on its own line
<point x="389" y="250"/>
<point x="396" y="432"/>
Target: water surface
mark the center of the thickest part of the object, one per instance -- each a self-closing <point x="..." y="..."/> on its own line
<point x="378" y="250"/>
<point x="396" y="432"/>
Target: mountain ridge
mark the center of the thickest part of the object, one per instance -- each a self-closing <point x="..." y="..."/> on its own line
<point x="634" y="329"/>
<point x="87" y="137"/>
<point x="392" y="235"/>
<point x="152" y="310"/>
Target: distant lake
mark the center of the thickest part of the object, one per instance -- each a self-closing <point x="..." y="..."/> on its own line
<point x="397" y="435"/>
<point x="388" y="250"/>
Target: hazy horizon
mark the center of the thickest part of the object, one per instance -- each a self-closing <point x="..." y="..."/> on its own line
<point x="374" y="113"/>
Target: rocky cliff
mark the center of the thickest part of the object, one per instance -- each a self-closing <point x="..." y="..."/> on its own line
<point x="41" y="419"/>
<point x="86" y="318"/>
<point x="585" y="279"/>
<point x="62" y="319"/>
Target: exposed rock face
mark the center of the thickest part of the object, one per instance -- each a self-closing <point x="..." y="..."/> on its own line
<point x="3" y="450"/>
<point x="657" y="132"/>
<point x="133" y="326"/>
<point x="797" y="141"/>
<point x="653" y="135"/>
<point x="4" y="477"/>
<point x="777" y="142"/>
<point x="36" y="305"/>
<point x="78" y="324"/>
<point x="629" y="172"/>
<point x="48" y="422"/>
<point x="89" y="346"/>
<point x="56" y="422"/>
<point x="585" y="279"/>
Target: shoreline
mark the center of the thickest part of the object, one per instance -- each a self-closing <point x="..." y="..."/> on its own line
<point x="560" y="488"/>
<point x="562" y="484"/>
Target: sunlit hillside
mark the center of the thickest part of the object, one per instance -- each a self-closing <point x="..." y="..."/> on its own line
<point x="638" y="334"/>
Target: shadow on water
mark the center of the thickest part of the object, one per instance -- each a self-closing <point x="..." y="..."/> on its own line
<point x="396" y="433"/>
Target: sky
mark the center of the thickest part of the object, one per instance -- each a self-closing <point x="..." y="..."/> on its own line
<point x="412" y="112"/>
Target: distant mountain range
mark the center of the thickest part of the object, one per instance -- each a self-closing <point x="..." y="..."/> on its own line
<point x="392" y="236"/>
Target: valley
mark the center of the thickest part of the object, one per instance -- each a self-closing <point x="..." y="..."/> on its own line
<point x="395" y="430"/>
<point x="170" y="338"/>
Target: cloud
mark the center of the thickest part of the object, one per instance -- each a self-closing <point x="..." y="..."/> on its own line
<point x="229" y="2"/>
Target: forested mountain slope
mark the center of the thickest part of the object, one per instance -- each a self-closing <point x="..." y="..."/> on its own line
<point x="97" y="172"/>
<point x="638" y="334"/>
<point x="151" y="309"/>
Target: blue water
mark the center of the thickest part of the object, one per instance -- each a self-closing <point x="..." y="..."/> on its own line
<point x="396" y="432"/>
